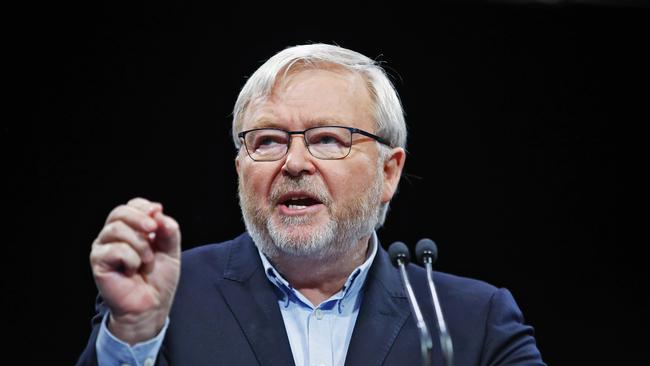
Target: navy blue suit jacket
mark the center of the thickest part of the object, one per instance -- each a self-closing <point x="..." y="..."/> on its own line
<point x="226" y="313"/>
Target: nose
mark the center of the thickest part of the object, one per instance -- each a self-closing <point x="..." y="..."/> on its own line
<point x="298" y="159"/>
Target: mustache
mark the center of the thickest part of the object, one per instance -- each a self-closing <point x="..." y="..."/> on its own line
<point x="310" y="185"/>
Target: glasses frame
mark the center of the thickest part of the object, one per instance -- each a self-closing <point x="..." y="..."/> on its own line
<point x="353" y="130"/>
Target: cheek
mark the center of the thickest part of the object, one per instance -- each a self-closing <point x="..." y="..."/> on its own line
<point x="256" y="181"/>
<point x="346" y="183"/>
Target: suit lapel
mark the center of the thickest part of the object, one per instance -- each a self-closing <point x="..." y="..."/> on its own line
<point x="254" y="303"/>
<point x="384" y="310"/>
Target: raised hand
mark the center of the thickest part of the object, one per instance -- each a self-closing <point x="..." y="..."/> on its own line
<point x="136" y="264"/>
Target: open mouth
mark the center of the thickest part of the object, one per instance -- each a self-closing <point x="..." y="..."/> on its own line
<point x="298" y="201"/>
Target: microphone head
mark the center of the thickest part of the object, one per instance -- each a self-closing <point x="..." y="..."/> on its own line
<point x="398" y="251"/>
<point x="426" y="248"/>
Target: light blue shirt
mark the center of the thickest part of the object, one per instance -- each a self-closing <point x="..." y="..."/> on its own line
<point x="113" y="352"/>
<point x="319" y="335"/>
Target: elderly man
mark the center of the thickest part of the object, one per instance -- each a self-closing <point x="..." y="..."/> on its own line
<point x="321" y="137"/>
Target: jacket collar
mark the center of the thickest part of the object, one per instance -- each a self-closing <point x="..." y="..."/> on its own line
<point x="383" y="313"/>
<point x="252" y="300"/>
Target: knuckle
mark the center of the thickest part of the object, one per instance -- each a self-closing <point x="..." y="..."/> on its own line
<point x="112" y="228"/>
<point x="98" y="253"/>
<point x="94" y="256"/>
<point x="144" y="204"/>
<point x="116" y="213"/>
<point x="118" y="250"/>
<point x="139" y="203"/>
<point x="138" y="200"/>
<point x="111" y="231"/>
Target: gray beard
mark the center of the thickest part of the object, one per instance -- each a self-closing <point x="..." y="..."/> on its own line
<point x="335" y="239"/>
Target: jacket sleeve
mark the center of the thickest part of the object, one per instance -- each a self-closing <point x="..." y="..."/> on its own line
<point x="508" y="341"/>
<point x="102" y="348"/>
<point x="89" y="355"/>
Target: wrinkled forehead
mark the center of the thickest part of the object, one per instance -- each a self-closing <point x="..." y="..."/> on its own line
<point x="286" y="79"/>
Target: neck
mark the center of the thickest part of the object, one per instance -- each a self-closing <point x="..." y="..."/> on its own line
<point x="319" y="279"/>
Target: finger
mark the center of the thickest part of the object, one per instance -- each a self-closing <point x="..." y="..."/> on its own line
<point x="149" y="207"/>
<point x="168" y="235"/>
<point x="114" y="257"/>
<point x="118" y="231"/>
<point x="135" y="218"/>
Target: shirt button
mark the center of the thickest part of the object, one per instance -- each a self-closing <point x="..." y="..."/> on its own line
<point x="148" y="362"/>
<point x="319" y="314"/>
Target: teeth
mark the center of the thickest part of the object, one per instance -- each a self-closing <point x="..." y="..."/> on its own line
<point x="296" y="207"/>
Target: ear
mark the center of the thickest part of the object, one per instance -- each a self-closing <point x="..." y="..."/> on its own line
<point x="392" y="173"/>
<point x="237" y="164"/>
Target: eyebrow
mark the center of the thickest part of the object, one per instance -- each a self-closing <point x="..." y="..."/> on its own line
<point x="313" y="122"/>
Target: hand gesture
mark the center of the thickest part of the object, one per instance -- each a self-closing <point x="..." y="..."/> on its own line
<point x="136" y="264"/>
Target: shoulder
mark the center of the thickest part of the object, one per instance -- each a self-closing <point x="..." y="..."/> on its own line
<point x="455" y="285"/>
<point x="458" y="292"/>
<point x="483" y="319"/>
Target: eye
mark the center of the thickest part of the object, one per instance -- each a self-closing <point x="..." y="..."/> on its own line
<point x="326" y="137"/>
<point x="326" y="140"/>
<point x="264" y="140"/>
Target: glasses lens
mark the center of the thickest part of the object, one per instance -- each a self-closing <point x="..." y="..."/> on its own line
<point x="329" y="142"/>
<point x="266" y="144"/>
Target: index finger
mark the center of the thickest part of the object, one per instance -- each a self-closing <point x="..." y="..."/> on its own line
<point x="135" y="218"/>
<point x="142" y="204"/>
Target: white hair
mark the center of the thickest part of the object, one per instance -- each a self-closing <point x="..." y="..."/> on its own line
<point x="387" y="108"/>
<point x="388" y="111"/>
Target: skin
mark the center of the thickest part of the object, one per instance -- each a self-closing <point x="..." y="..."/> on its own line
<point x="135" y="261"/>
<point x="307" y="98"/>
<point x="136" y="257"/>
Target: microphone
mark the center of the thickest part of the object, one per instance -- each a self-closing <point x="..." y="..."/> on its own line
<point x="400" y="256"/>
<point x="426" y="253"/>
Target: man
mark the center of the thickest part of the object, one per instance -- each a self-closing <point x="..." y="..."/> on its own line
<point x="321" y="137"/>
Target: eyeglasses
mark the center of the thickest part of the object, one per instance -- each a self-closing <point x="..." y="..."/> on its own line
<point x="323" y="142"/>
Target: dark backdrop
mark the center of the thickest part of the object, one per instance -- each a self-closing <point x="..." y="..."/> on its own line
<point x="512" y="157"/>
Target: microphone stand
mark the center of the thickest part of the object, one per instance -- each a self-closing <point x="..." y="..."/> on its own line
<point x="425" y="338"/>
<point x="445" y="338"/>
<point x="426" y="253"/>
<point x="400" y="255"/>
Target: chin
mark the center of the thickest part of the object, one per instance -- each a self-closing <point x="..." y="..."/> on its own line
<point x="297" y="234"/>
<point x="303" y="239"/>
<point x="300" y="223"/>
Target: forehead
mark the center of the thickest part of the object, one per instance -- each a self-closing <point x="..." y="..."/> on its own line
<point x="308" y="97"/>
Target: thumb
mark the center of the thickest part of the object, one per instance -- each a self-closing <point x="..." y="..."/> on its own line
<point x="167" y="235"/>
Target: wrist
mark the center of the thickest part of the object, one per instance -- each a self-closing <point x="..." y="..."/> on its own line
<point x="133" y="329"/>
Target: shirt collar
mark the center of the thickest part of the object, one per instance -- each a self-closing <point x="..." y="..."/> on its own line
<point x="350" y="289"/>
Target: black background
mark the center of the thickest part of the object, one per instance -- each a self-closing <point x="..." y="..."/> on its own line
<point x="514" y="114"/>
